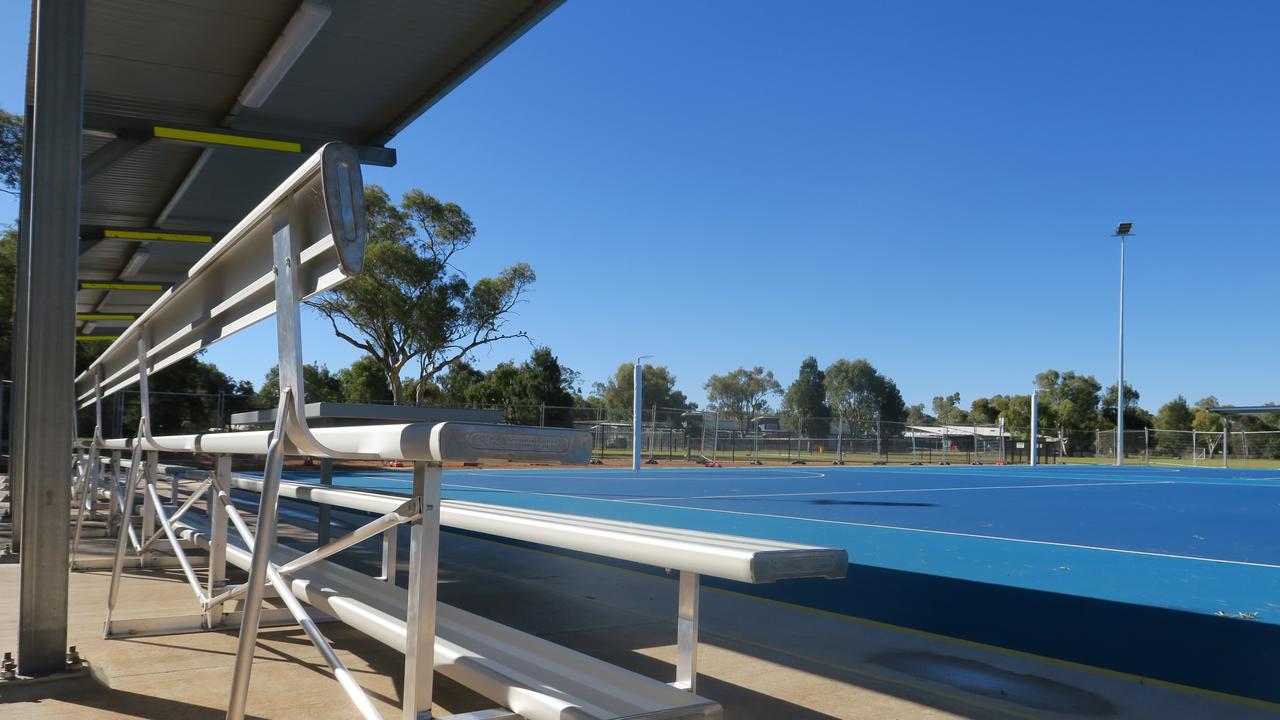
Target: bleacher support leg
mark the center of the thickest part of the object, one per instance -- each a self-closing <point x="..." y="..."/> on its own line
<point x="390" y="547"/>
<point x="263" y="543"/>
<point x="687" y="633"/>
<point x="420" y="620"/>
<point x="324" y="513"/>
<point x="217" y="536"/>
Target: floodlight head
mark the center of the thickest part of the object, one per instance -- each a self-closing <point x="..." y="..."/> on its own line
<point x="307" y="20"/>
<point x="1124" y="228"/>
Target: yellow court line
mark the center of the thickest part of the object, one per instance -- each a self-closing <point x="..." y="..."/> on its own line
<point x="166" y="236"/>
<point x="155" y="287"/>
<point x="104" y="316"/>
<point x="87" y="338"/>
<point x="212" y="138"/>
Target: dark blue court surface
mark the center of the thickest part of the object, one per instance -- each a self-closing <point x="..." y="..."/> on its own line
<point x="1171" y="573"/>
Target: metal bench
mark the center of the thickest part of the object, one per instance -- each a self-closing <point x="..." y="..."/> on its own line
<point x="304" y="238"/>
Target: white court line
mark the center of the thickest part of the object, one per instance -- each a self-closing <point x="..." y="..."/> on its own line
<point x="898" y="528"/>
<point x="920" y="490"/>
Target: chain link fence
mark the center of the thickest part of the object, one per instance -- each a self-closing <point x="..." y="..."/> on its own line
<point x="1193" y="448"/>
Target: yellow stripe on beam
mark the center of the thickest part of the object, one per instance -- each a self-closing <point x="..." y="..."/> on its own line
<point x="213" y="138"/>
<point x="152" y="287"/>
<point x="90" y="338"/>
<point x="166" y="236"/>
<point x="104" y="316"/>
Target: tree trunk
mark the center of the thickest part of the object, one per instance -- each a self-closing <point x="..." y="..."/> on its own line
<point x="397" y="387"/>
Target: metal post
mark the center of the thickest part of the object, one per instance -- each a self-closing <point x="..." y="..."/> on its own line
<point x="390" y="549"/>
<point x="148" y="507"/>
<point x="420" y="618"/>
<point x="1120" y="384"/>
<point x="46" y="351"/>
<point x="1195" y="449"/>
<point x="840" y="437"/>
<point x="324" y="514"/>
<point x="1035" y="428"/>
<point x="1226" y="425"/>
<point x="878" y="453"/>
<point x="263" y="543"/>
<point x="687" y="633"/>
<point x="1146" y="441"/>
<point x="1002" y="455"/>
<point x="637" y="414"/>
<point x="218" y="536"/>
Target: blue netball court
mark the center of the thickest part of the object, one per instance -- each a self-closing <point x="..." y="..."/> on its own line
<point x="1166" y="573"/>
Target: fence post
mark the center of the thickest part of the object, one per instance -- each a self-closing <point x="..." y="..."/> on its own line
<point x="1225" y="431"/>
<point x="1195" y="448"/>
<point x="542" y="415"/>
<point x="1146" y="442"/>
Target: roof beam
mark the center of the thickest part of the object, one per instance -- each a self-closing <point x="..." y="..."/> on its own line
<point x="105" y="157"/>
<point x="155" y="236"/>
<point x="122" y="285"/>
<point x="208" y="137"/>
<point x="108" y="317"/>
<point x="222" y="138"/>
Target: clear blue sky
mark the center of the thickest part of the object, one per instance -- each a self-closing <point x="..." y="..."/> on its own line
<point x="929" y="185"/>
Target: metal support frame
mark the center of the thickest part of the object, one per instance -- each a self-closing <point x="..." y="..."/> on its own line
<point x="687" y="632"/>
<point x="44" y="347"/>
<point x="420" y="618"/>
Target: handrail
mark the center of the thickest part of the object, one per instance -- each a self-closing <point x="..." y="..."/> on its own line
<point x="233" y="285"/>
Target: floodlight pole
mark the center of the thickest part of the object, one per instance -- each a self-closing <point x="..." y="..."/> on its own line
<point x="637" y="377"/>
<point x="1122" y="232"/>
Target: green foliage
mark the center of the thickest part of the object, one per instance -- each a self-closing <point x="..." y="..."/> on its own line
<point x="1175" y="415"/>
<point x="806" y="400"/>
<point x="658" y="388"/>
<point x="8" y="286"/>
<point x="522" y="389"/>
<point x="742" y="394"/>
<point x="320" y="385"/>
<point x="364" y="382"/>
<point x="947" y="409"/>
<point x="10" y="152"/>
<point x="1071" y="402"/>
<point x="1135" y="418"/>
<point x="409" y="302"/>
<point x="861" y="395"/>
<point x="917" y="416"/>
<point x="198" y="390"/>
<point x="982" y="412"/>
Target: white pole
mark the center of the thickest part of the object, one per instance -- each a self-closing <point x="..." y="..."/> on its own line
<point x="1002" y="455"/>
<point x="637" y="420"/>
<point x="1120" y="385"/>
<point x="1035" y="427"/>
<point x="1226" y="430"/>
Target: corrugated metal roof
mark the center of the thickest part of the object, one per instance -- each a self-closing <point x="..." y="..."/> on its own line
<point x="372" y="68"/>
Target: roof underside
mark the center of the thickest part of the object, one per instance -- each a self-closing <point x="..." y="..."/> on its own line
<point x="372" y="68"/>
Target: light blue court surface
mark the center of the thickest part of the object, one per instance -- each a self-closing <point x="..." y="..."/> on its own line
<point x="1204" y="539"/>
<point x="1171" y="573"/>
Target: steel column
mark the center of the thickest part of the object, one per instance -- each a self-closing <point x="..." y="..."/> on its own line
<point x="217" y="535"/>
<point x="420" y="620"/>
<point x="48" y="345"/>
<point x="687" y="632"/>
